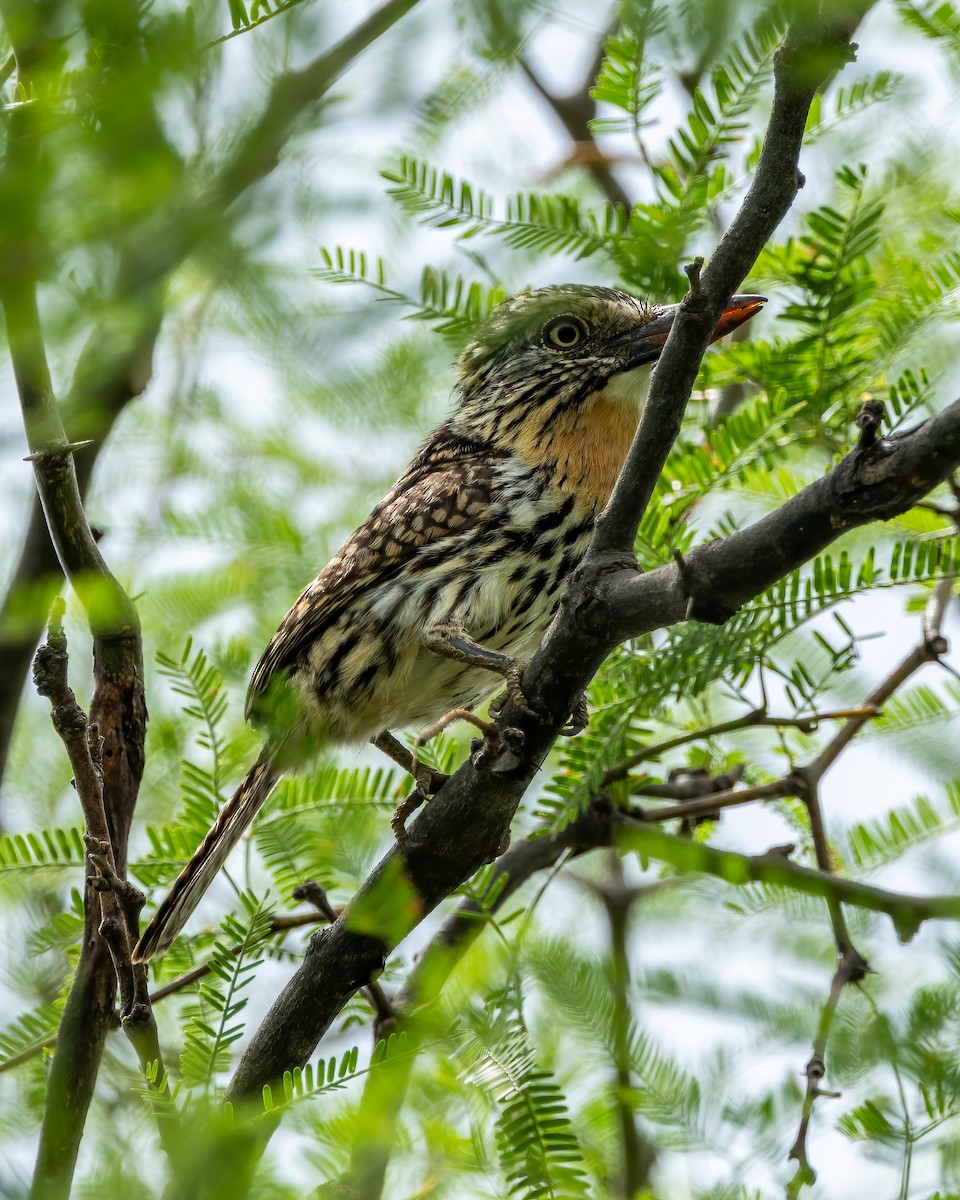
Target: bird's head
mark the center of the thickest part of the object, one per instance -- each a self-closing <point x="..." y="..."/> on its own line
<point x="563" y="348"/>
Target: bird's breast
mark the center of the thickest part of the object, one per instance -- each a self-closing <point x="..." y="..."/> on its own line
<point x="582" y="448"/>
<point x="501" y="580"/>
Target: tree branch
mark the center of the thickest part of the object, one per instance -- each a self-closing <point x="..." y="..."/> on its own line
<point x="800" y="780"/>
<point x="718" y="578"/>
<point x="258" y="151"/>
<point x="907" y="912"/>
<point x="851" y="967"/>
<point x="618" y="901"/>
<point x="412" y="879"/>
<point x="118" y="709"/>
<point x="811" y="48"/>
<point x="575" y="112"/>
<point x="386" y="1086"/>
<point x="758" y="717"/>
<point x="847" y="972"/>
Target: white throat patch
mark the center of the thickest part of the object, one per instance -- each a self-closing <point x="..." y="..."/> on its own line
<point x="629" y="387"/>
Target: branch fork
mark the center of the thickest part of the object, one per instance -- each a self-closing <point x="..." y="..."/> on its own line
<point x="119" y="901"/>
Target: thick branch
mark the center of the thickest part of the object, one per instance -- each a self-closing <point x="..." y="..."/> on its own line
<point x="386" y="1086"/>
<point x="464" y="824"/>
<point x="811" y="49"/>
<point x="716" y="579"/>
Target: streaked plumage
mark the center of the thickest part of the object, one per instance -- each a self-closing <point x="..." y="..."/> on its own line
<point x="465" y="557"/>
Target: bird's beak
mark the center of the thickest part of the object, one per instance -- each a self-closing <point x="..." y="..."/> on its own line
<point x="647" y="342"/>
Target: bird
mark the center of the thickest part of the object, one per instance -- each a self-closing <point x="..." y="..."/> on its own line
<point x="451" y="581"/>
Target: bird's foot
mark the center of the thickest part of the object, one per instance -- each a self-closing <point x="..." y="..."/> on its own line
<point x="406" y="808"/>
<point x="424" y="775"/>
<point x="428" y="779"/>
<point x="428" y="782"/>
<point x="579" y="718"/>
<point x="499" y="751"/>
<point x="514" y="692"/>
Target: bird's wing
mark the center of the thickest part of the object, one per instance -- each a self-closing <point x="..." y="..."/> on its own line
<point x="445" y="491"/>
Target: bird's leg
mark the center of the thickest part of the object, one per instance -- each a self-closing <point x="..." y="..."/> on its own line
<point x="498" y="751"/>
<point x="420" y="771"/>
<point x="428" y="780"/>
<point x="452" y="641"/>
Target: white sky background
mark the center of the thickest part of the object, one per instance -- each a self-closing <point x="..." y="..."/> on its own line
<point x="512" y="143"/>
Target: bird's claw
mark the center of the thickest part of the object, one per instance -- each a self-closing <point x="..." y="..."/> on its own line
<point x="499" y="751"/>
<point x="428" y="782"/>
<point x="579" y="718"/>
<point x="406" y="808"/>
<point x="514" y="692"/>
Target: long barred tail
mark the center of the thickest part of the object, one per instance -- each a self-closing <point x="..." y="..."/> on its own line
<point x="208" y="858"/>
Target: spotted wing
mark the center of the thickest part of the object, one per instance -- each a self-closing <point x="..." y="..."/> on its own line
<point x="446" y="491"/>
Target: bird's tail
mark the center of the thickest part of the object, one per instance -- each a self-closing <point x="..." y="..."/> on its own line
<point x="209" y="857"/>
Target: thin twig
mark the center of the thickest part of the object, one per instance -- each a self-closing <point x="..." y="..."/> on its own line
<point x="689" y="783"/>
<point x="931" y="648"/>
<point x="802" y="780"/>
<point x="280" y="7"/>
<point x="709" y="805"/>
<point x="907" y="912"/>
<point x="850" y="969"/>
<point x="756" y="718"/>
<point x="618" y="901"/>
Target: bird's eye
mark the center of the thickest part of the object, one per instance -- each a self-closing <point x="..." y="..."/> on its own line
<point x="563" y="333"/>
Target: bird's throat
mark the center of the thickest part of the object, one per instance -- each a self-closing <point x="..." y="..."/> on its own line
<point x="584" y="448"/>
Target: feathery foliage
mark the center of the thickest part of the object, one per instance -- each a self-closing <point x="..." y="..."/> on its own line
<point x="615" y="1029"/>
<point x="212" y="1027"/>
